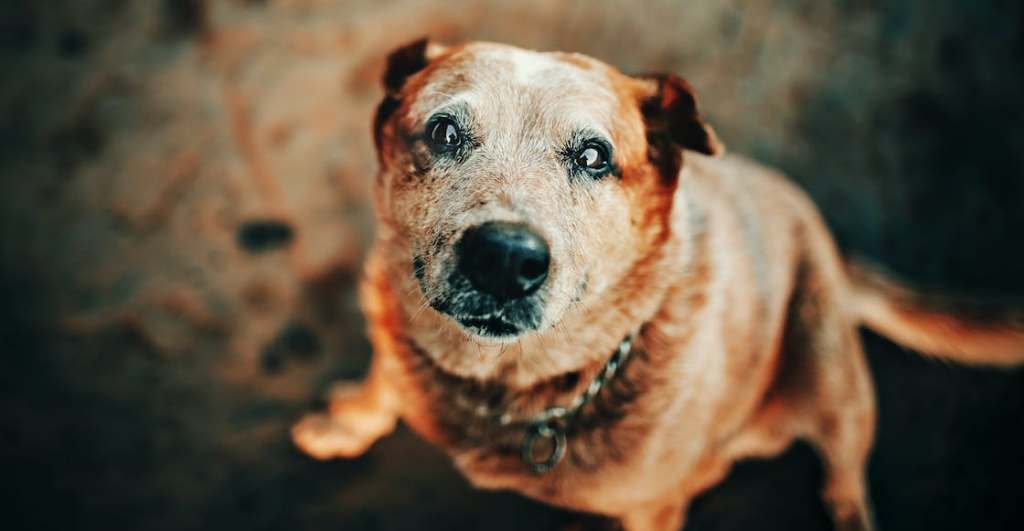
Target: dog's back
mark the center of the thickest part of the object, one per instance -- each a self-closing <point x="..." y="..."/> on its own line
<point x="776" y="213"/>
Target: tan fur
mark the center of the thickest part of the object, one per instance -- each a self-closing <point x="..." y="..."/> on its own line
<point x="746" y="338"/>
<point x="971" y="331"/>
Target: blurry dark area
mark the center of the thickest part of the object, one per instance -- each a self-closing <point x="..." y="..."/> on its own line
<point x="184" y="208"/>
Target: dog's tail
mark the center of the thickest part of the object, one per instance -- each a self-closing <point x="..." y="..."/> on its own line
<point x="957" y="328"/>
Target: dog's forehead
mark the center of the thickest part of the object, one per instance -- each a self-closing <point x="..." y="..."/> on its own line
<point x="491" y="78"/>
<point x="533" y="69"/>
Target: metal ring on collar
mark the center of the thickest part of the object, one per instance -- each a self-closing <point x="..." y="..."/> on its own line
<point x="543" y="431"/>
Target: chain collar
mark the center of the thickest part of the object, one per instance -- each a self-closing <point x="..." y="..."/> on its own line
<point x="552" y="424"/>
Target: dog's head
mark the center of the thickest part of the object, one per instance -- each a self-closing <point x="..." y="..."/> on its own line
<point x="522" y="184"/>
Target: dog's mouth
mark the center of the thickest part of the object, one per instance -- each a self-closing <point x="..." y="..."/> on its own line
<point x="478" y="315"/>
<point x="489" y="326"/>
<point x="476" y="312"/>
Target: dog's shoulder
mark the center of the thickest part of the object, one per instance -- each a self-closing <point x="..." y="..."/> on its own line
<point x="746" y="188"/>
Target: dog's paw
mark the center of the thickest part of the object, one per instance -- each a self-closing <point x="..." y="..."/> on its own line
<point x="354" y="423"/>
<point x="323" y="437"/>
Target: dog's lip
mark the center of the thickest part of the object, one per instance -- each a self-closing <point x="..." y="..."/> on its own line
<point x="488" y="326"/>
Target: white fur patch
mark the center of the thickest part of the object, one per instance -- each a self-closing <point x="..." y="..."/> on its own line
<point x="531" y="67"/>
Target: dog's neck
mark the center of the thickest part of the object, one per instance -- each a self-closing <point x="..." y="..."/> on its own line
<point x="537" y="426"/>
<point x="550" y="428"/>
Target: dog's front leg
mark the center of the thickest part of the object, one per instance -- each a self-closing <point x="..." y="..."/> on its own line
<point x="358" y="414"/>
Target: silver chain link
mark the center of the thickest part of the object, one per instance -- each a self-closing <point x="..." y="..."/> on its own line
<point x="553" y="423"/>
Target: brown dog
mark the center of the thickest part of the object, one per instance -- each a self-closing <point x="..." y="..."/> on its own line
<point x="534" y="210"/>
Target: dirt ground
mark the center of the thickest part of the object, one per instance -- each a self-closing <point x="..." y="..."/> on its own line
<point x="183" y="215"/>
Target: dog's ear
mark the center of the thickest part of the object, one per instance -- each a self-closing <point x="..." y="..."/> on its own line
<point x="403" y="62"/>
<point x="408" y="59"/>
<point x="669" y="108"/>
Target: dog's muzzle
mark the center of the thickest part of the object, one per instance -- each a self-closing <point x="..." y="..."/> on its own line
<point x="493" y="290"/>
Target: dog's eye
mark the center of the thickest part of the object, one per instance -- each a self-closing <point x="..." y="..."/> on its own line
<point x="445" y="134"/>
<point x="593" y="157"/>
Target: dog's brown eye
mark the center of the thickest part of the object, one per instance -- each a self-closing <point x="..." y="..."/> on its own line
<point x="592" y="157"/>
<point x="444" y="133"/>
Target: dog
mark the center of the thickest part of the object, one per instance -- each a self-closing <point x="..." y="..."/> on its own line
<point x="578" y="297"/>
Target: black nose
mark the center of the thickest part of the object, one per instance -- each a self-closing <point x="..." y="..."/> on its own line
<point x="506" y="260"/>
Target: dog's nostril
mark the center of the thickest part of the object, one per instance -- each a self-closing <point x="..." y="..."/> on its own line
<point x="505" y="260"/>
<point x="532" y="269"/>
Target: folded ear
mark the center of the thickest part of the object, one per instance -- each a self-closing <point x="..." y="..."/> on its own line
<point x="401" y="63"/>
<point x="408" y="59"/>
<point x="669" y="107"/>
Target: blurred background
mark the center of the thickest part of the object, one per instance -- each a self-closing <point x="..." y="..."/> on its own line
<point x="184" y="210"/>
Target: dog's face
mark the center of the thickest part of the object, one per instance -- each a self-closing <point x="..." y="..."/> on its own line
<point x="522" y="185"/>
